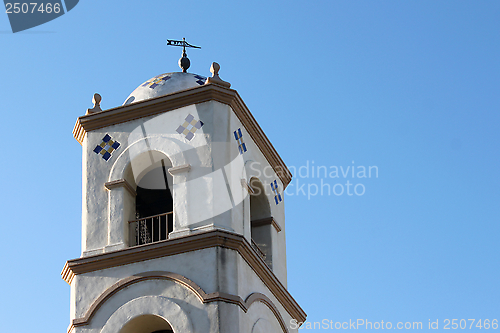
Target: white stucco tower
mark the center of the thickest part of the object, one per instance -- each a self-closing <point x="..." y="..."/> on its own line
<point x="183" y="224"/>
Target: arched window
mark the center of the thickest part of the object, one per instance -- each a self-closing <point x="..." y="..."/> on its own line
<point x="153" y="204"/>
<point x="260" y="221"/>
<point x="147" y="324"/>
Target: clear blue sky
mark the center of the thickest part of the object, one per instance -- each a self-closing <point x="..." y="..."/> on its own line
<point x="411" y="87"/>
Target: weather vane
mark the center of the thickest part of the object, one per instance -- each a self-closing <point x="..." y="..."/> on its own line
<point x="184" y="62"/>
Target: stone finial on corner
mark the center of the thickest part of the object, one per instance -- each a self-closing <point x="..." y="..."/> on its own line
<point x="215" y="79"/>
<point x="97" y="104"/>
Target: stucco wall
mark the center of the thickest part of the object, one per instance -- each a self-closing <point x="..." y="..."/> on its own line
<point x="206" y="196"/>
<point x="209" y="193"/>
<point x="212" y="269"/>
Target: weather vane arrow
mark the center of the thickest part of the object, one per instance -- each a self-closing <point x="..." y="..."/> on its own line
<point x="184" y="62"/>
<point x="181" y="43"/>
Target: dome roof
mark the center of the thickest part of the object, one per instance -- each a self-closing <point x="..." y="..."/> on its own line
<point x="165" y="84"/>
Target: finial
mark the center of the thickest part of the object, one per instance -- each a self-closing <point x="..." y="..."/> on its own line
<point x="214" y="69"/>
<point x="215" y="79"/>
<point x="184" y="62"/>
<point x="97" y="104"/>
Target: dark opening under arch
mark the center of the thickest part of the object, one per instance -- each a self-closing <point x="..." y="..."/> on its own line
<point x="147" y="324"/>
<point x="154" y="205"/>
<point x="260" y="211"/>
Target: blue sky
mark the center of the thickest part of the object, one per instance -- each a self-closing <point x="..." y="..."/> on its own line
<point x="411" y="87"/>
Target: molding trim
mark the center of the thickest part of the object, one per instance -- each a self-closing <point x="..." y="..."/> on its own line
<point x="196" y="95"/>
<point x="198" y="241"/>
<point x="179" y="169"/>
<point x="266" y="221"/>
<point x="120" y="183"/>
<point x="197" y="290"/>
<point x="258" y="297"/>
<point x="247" y="186"/>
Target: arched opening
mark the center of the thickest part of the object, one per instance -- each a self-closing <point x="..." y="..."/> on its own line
<point x="261" y="222"/>
<point x="154" y="200"/>
<point x="147" y="324"/>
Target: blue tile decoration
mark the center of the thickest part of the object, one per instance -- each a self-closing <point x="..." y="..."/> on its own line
<point x="239" y="138"/>
<point x="106" y="147"/>
<point x="156" y="81"/>
<point x="277" y="195"/>
<point x="201" y="80"/>
<point x="189" y="127"/>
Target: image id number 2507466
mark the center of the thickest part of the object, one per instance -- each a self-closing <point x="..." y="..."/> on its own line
<point x="32" y="7"/>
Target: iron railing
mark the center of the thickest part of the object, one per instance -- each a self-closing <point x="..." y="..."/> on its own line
<point x="258" y="250"/>
<point x="150" y="229"/>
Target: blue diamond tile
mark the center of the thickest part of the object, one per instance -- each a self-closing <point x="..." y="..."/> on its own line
<point x="106" y="147"/>
<point x="198" y="124"/>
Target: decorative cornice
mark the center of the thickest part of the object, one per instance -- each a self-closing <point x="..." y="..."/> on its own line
<point x="120" y="183"/>
<point x="266" y="221"/>
<point x="205" y="93"/>
<point x="197" y="290"/>
<point x="214" y="238"/>
<point x="67" y="274"/>
<point x="179" y="169"/>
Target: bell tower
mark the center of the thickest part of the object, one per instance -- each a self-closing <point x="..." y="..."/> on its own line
<point x="183" y="224"/>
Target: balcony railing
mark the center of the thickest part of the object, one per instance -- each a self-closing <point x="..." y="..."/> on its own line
<point x="258" y="250"/>
<point x="150" y="229"/>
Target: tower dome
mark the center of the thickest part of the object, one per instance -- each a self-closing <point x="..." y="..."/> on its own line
<point x="165" y="84"/>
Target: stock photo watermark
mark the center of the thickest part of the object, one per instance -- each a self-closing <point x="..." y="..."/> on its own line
<point x="430" y="324"/>
<point x="312" y="180"/>
<point x="231" y="177"/>
<point x="25" y="15"/>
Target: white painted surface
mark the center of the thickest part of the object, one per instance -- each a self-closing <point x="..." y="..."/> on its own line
<point x="160" y="306"/>
<point x="207" y="196"/>
<point x="212" y="269"/>
<point x="177" y="81"/>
